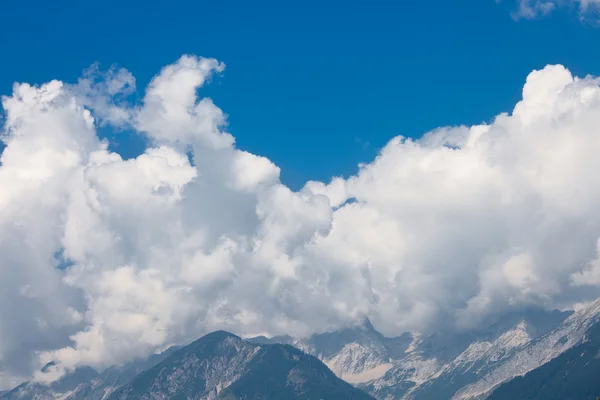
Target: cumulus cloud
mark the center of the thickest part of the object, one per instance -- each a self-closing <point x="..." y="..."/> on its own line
<point x="105" y="259"/>
<point x="530" y="9"/>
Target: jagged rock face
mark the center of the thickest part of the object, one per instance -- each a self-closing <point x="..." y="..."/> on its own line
<point x="535" y="353"/>
<point x="358" y="354"/>
<point x="441" y="365"/>
<point x="357" y="364"/>
<point x="472" y="363"/>
<point x="572" y="375"/>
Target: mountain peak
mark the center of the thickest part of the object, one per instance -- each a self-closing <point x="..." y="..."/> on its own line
<point x="221" y="365"/>
<point x="215" y="337"/>
<point x="221" y="334"/>
<point x="366" y="325"/>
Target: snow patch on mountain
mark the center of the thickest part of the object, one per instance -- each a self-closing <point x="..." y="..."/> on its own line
<point x="358" y="364"/>
<point x="367" y="375"/>
<point x="416" y="340"/>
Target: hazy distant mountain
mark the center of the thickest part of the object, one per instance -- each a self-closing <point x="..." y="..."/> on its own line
<point x="111" y="379"/>
<point x="59" y="389"/>
<point x="85" y="383"/>
<point x="222" y="365"/>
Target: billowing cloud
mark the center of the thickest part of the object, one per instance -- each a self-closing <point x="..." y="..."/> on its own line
<point x="104" y="259"/>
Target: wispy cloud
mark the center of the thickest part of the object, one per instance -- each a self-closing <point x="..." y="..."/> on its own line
<point x="530" y="9"/>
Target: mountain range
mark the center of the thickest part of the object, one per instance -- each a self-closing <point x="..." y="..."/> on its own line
<point x="219" y="365"/>
<point x="528" y="354"/>
<point x="435" y="366"/>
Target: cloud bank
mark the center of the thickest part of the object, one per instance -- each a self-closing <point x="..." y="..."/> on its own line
<point x="103" y="259"/>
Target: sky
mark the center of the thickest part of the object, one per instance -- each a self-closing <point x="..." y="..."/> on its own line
<point x="171" y="169"/>
<point x="317" y="87"/>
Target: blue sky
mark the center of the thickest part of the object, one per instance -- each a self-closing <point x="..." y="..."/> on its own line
<point x="316" y="86"/>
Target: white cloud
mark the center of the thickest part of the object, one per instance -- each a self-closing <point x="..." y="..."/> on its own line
<point x="530" y="9"/>
<point x="251" y="171"/>
<point x="589" y="276"/>
<point x="450" y="229"/>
